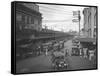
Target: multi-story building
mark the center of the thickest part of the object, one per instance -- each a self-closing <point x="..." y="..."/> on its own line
<point x="90" y="22"/>
<point x="28" y="16"/>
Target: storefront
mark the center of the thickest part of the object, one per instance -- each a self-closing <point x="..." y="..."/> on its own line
<point x="89" y="43"/>
<point x="88" y="47"/>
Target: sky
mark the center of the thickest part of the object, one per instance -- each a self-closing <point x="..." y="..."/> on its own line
<point x="59" y="17"/>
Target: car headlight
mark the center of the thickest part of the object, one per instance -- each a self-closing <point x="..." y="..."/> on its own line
<point x="65" y="64"/>
<point x="59" y="65"/>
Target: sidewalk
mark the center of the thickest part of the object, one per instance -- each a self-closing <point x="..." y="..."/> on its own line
<point x="77" y="62"/>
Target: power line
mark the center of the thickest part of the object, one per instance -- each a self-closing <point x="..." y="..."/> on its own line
<point x="56" y="20"/>
<point x="63" y="15"/>
<point x="46" y="21"/>
<point x="60" y="11"/>
<point x="50" y="12"/>
<point x="48" y="8"/>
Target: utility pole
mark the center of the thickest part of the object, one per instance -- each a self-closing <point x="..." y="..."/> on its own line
<point x="76" y="14"/>
<point x="79" y="17"/>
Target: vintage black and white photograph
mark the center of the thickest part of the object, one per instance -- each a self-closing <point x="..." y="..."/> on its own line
<point x="54" y="37"/>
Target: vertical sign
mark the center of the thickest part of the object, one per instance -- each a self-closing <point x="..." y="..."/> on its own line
<point x="77" y="18"/>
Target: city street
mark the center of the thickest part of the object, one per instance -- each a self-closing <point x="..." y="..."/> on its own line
<point x="43" y="63"/>
<point x="48" y="40"/>
<point x="77" y="62"/>
<point x="38" y="64"/>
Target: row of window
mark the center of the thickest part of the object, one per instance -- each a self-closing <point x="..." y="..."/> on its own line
<point x="26" y="19"/>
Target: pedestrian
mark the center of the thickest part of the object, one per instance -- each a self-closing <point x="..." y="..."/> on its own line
<point x="67" y="52"/>
<point x="80" y="52"/>
<point x="91" y="54"/>
<point x="70" y="51"/>
<point x="85" y="52"/>
<point x="80" y="49"/>
<point x="46" y="51"/>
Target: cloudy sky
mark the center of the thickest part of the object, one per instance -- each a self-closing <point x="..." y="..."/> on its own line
<point x="58" y="17"/>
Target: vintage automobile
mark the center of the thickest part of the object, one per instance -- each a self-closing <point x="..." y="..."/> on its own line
<point x="56" y="47"/>
<point x="60" y="63"/>
<point x="75" y="51"/>
<point x="75" y="41"/>
<point x="61" y="44"/>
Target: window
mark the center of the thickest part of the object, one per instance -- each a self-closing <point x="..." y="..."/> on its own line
<point x="26" y="19"/>
<point x="18" y="17"/>
<point x="35" y="21"/>
<point x="30" y="19"/>
<point x="94" y="35"/>
<point x="95" y="20"/>
<point x="95" y="29"/>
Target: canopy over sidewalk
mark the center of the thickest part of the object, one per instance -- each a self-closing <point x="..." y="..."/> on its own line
<point x="86" y="39"/>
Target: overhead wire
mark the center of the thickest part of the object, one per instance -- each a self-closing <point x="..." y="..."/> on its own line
<point x="50" y="11"/>
<point x="54" y="8"/>
<point x="55" y="12"/>
<point x="56" y="20"/>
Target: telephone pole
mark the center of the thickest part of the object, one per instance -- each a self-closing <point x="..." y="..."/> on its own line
<point x="79" y="17"/>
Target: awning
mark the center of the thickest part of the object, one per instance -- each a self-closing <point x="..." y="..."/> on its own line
<point x="86" y="39"/>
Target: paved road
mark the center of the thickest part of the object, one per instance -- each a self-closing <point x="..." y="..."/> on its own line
<point x="68" y="45"/>
<point x="77" y="62"/>
<point x="38" y="64"/>
<point x="43" y="63"/>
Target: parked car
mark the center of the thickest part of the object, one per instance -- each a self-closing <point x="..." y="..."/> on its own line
<point x="75" y="51"/>
<point x="75" y="41"/>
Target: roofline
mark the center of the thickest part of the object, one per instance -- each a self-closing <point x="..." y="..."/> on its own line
<point x="55" y="4"/>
